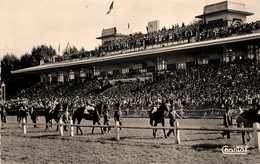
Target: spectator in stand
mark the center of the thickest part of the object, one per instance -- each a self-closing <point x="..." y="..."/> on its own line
<point x="199" y="86"/>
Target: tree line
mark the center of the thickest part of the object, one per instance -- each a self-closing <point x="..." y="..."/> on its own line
<point x="16" y="82"/>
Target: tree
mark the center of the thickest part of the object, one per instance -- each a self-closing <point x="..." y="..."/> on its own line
<point x="70" y="51"/>
<point x="42" y="52"/>
<point x="9" y="63"/>
<point x="26" y="61"/>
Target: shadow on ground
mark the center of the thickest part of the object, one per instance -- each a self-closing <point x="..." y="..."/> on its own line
<point x="207" y="147"/>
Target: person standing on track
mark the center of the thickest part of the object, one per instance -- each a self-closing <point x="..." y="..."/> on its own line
<point x="227" y="122"/>
<point x="106" y="114"/>
<point x="34" y="116"/>
<point x="172" y="115"/>
<point x="3" y="112"/>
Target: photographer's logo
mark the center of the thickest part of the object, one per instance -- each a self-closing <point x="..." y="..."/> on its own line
<point x="234" y="150"/>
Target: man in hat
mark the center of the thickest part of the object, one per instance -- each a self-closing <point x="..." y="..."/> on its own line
<point x="34" y="116"/>
<point x="106" y="114"/>
<point x="172" y="115"/>
<point x="227" y="121"/>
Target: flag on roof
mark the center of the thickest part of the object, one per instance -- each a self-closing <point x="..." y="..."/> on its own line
<point x="111" y="7"/>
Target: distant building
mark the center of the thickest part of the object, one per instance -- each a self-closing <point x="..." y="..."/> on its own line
<point x="111" y="34"/>
<point x="153" y="26"/>
<point x="224" y="14"/>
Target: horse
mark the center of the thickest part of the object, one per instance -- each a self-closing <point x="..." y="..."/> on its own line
<point x="56" y="114"/>
<point x="157" y="117"/>
<point x="248" y="118"/>
<point x="92" y="114"/>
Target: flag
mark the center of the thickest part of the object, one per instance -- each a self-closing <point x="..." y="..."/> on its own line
<point x="59" y="48"/>
<point x="128" y="25"/>
<point x="111" y="7"/>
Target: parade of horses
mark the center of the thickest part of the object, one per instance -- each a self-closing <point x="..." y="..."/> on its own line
<point x="185" y="94"/>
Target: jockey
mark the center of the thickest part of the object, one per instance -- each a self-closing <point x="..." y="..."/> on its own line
<point x="51" y="107"/>
<point x="155" y="107"/>
<point x="88" y="108"/>
<point x="67" y="114"/>
<point x="66" y="117"/>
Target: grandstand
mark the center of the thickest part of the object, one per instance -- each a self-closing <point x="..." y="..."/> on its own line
<point x="203" y="64"/>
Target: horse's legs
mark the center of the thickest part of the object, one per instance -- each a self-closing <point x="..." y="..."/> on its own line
<point x="151" y="121"/>
<point x="57" y="129"/>
<point x="249" y="136"/>
<point x="155" y="130"/>
<point x="78" y="128"/>
<point x="108" y="129"/>
<point x="101" y="127"/>
<point x="19" y="121"/>
<point x="50" y="123"/>
<point x="164" y="129"/>
<point x="74" y="120"/>
<point x="47" y="123"/>
<point x="94" y="123"/>
<point x="243" y="137"/>
<point x="105" y="129"/>
<point x="65" y="121"/>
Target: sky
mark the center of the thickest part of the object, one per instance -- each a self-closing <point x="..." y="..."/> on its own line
<point x="28" y="23"/>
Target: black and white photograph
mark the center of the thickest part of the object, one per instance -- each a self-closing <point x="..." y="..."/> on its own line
<point x="129" y="81"/>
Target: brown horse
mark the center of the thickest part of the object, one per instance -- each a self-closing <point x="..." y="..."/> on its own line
<point x="157" y="117"/>
<point x="248" y="118"/>
<point x="93" y="115"/>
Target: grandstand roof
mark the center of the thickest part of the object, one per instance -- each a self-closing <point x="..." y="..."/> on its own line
<point x="144" y="53"/>
<point x="231" y="11"/>
<point x="225" y="6"/>
<point x="114" y="35"/>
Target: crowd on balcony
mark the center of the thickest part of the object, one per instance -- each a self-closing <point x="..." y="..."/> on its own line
<point x="175" y="35"/>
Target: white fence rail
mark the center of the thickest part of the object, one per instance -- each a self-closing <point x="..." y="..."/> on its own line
<point x="176" y="128"/>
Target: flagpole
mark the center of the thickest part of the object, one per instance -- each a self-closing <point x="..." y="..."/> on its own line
<point x="115" y="12"/>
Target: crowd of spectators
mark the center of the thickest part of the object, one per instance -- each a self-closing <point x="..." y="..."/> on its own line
<point x="177" y="34"/>
<point x="199" y="86"/>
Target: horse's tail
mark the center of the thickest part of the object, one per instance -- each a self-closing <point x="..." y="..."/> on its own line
<point x="151" y="118"/>
<point x="73" y="118"/>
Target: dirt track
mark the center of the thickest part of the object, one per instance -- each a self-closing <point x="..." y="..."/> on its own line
<point x="135" y="146"/>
